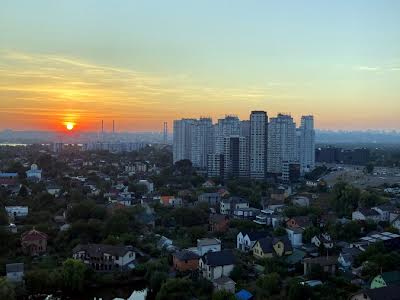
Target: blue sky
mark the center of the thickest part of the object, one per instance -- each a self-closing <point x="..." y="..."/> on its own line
<point x="149" y="61"/>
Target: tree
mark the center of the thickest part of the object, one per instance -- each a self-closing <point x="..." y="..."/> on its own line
<point x="298" y="291"/>
<point x="157" y="279"/>
<point x="74" y="274"/>
<point x="175" y="289"/>
<point x="223" y="295"/>
<point x="269" y="284"/>
<point x="6" y="289"/>
<point x="369" y="168"/>
<point x="279" y="231"/>
<point x="369" y="199"/>
<point x="345" y="198"/>
<point x="309" y="233"/>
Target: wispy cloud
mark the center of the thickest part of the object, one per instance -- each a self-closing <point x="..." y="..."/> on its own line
<point x="367" y="68"/>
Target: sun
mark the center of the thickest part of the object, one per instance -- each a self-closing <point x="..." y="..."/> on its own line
<point x="69" y="125"/>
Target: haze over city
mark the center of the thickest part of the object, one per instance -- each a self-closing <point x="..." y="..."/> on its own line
<point x="148" y="62"/>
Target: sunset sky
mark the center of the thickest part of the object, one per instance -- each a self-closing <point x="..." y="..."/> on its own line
<point x="145" y="62"/>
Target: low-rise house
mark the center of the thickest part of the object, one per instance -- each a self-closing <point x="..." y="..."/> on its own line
<point x="386" y="293"/>
<point x="327" y="263"/>
<point x="17" y="211"/>
<point x="396" y="223"/>
<point x="248" y="213"/>
<point x="385" y="210"/>
<point x="105" y="258"/>
<point x="15" y="272"/>
<point x="365" y="214"/>
<point x="301" y="201"/>
<point x="214" y="265"/>
<point x="208" y="245"/>
<point x="271" y="247"/>
<point x="268" y="217"/>
<point x="228" y="206"/>
<point x="218" y="223"/>
<point x="390" y="240"/>
<point x="185" y="261"/>
<point x="53" y="189"/>
<point x="148" y="184"/>
<point x="347" y="256"/>
<point x="208" y="184"/>
<point x="385" y="279"/>
<point x="299" y="222"/>
<point x="7" y="179"/>
<point x="322" y="239"/>
<point x="34" y="173"/>
<point x="34" y="242"/>
<point x="246" y="240"/>
<point x="165" y="243"/>
<point x="171" y="201"/>
<point x="295" y="236"/>
<point x="212" y="199"/>
<point x="224" y="283"/>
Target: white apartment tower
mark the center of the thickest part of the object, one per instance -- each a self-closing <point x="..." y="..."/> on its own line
<point x="282" y="146"/>
<point x="226" y="127"/>
<point x="306" y="144"/>
<point x="202" y="136"/>
<point x="182" y="139"/>
<point x="258" y="144"/>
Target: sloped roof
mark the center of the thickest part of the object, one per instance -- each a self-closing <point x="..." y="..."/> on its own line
<point x="186" y="255"/>
<point x="391" y="277"/>
<point x="98" y="250"/>
<point x="220" y="258"/>
<point x="33" y="235"/>
<point x="384" y="293"/>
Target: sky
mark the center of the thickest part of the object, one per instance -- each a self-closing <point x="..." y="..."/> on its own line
<point x="141" y="63"/>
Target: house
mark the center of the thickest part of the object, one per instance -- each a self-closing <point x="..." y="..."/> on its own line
<point x="170" y="201"/>
<point x="301" y="201"/>
<point x="268" y="217"/>
<point x="208" y="184"/>
<point x="185" y="261"/>
<point x="396" y="223"/>
<point x="227" y="206"/>
<point x="322" y="239"/>
<point x="248" y="213"/>
<point x="347" y="256"/>
<point x="385" y="279"/>
<point x="148" y="184"/>
<point x="17" y="211"/>
<point x="7" y="179"/>
<point x="385" y="210"/>
<point x="212" y="199"/>
<point x="295" y="236"/>
<point x="391" y="241"/>
<point x="299" y="222"/>
<point x="224" y="283"/>
<point x="105" y="258"/>
<point x="327" y="263"/>
<point x="53" y="189"/>
<point x="214" y="265"/>
<point x="218" y="223"/>
<point x="34" y="242"/>
<point x="386" y="293"/>
<point x="165" y="243"/>
<point x="208" y="245"/>
<point x="271" y="247"/>
<point x="15" y="272"/>
<point x="246" y="240"/>
<point x="365" y="214"/>
<point x="34" y="173"/>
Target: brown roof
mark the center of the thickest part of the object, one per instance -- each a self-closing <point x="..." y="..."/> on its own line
<point x="33" y="235"/>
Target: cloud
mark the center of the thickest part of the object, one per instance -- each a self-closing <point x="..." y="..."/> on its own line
<point x="367" y="68"/>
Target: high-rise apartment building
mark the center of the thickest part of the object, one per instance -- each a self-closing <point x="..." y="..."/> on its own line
<point x="282" y="142"/>
<point x="258" y="144"/>
<point x="215" y="165"/>
<point x="202" y="136"/>
<point x="235" y="156"/>
<point x="182" y="139"/>
<point x="306" y="144"/>
<point x="228" y="126"/>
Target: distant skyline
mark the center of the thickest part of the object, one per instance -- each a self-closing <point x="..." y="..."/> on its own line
<point x="145" y="62"/>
